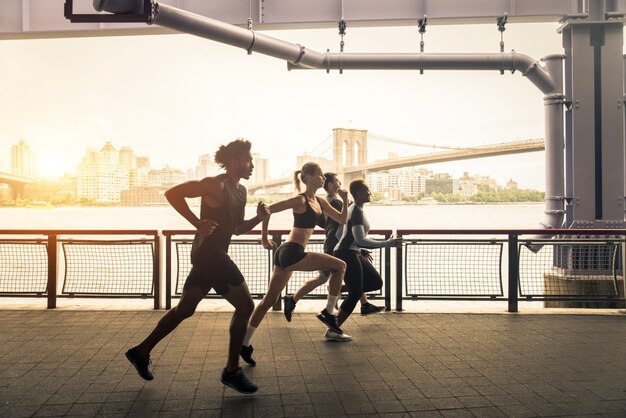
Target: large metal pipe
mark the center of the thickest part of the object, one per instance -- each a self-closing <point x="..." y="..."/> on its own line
<point x="624" y="139"/>
<point x="298" y="57"/>
<point x="247" y="39"/>
<point x="504" y="61"/>
<point x="554" y="145"/>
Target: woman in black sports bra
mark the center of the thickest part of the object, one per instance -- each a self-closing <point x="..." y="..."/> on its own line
<point x="308" y="210"/>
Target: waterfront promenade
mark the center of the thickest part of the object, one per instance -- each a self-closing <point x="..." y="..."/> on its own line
<point x="71" y="363"/>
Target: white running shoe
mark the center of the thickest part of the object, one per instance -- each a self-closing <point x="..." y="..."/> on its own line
<point x="331" y="335"/>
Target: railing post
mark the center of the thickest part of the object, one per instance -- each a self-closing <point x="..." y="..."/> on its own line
<point x="156" y="271"/>
<point x="277" y="238"/>
<point x="399" y="276"/>
<point x="168" y="271"/>
<point x="52" y="271"/>
<point x="387" y="275"/>
<point x="513" y="273"/>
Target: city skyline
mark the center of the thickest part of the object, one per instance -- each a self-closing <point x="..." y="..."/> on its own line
<point x="205" y="165"/>
<point x="112" y="176"/>
<point x="181" y="96"/>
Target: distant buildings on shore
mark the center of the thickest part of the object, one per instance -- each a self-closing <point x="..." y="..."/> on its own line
<point x="119" y="176"/>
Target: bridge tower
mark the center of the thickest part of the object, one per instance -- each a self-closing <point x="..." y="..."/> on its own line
<point x="349" y="149"/>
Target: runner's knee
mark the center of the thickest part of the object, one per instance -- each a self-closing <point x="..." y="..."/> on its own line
<point x="246" y="308"/>
<point x="340" y="267"/>
<point x="184" y="312"/>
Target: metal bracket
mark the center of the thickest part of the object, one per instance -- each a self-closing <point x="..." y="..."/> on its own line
<point x="421" y="24"/>
<point x="141" y="11"/>
<point x="501" y="22"/>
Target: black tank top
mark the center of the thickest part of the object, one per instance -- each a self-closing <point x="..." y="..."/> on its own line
<point x="228" y="215"/>
<point x="309" y="218"/>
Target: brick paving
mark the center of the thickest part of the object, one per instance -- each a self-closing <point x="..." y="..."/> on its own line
<point x="71" y="363"/>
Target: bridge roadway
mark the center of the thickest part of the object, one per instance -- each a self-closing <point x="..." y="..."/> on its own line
<point x="9" y="178"/>
<point x="492" y="150"/>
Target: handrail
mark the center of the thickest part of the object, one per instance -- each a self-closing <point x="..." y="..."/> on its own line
<point x="542" y="232"/>
<point x="79" y="232"/>
<point x="52" y="238"/>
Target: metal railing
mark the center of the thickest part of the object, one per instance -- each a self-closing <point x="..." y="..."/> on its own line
<point x="93" y="267"/>
<point x="567" y="265"/>
<point x="256" y="264"/>
<point x="505" y="265"/>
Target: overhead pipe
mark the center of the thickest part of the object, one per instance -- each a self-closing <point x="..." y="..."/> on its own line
<point x="548" y="79"/>
<point x="298" y="57"/>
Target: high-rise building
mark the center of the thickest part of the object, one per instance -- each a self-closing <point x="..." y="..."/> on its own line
<point x="261" y="169"/>
<point x="407" y="182"/>
<point x="143" y="162"/>
<point x="207" y="167"/>
<point x="128" y="157"/>
<point x="101" y="177"/>
<point x="166" y="177"/>
<point x="324" y="163"/>
<point x="23" y="160"/>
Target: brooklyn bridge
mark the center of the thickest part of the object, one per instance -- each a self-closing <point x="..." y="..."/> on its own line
<point x="349" y="156"/>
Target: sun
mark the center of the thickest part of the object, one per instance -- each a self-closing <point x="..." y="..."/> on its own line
<point x="51" y="165"/>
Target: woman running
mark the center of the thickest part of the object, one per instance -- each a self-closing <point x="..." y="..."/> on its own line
<point x="361" y="276"/>
<point x="308" y="210"/>
<point x="332" y="184"/>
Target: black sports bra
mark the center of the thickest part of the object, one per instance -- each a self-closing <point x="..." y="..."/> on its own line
<point x="309" y="218"/>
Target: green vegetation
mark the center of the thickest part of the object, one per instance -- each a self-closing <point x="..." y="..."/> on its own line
<point x="500" y="196"/>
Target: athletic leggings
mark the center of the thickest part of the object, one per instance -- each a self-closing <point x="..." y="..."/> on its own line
<point x="361" y="276"/>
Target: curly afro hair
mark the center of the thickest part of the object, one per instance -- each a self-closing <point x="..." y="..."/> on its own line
<point x="232" y="150"/>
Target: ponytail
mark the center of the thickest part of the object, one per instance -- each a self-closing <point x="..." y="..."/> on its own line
<point x="296" y="179"/>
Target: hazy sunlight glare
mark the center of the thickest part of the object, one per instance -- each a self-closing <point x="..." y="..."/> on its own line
<point x="53" y="165"/>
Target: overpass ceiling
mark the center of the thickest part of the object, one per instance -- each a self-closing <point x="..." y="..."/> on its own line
<point x="44" y="18"/>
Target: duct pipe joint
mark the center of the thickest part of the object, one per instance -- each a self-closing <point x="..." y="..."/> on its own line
<point x="300" y="56"/>
<point x="503" y="68"/>
<point x="251" y="47"/>
<point x="555" y="198"/>
<point x="554" y="99"/>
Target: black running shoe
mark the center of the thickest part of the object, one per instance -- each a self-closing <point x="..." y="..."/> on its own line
<point x="290" y="305"/>
<point x="238" y="381"/>
<point x="329" y="320"/>
<point x="246" y="354"/>
<point x="368" y="309"/>
<point x="141" y="363"/>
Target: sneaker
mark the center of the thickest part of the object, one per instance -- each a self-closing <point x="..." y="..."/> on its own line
<point x="331" y="335"/>
<point x="238" y="381"/>
<point x="290" y="305"/>
<point x="330" y="320"/>
<point x="246" y="354"/>
<point x="368" y="309"/>
<point x="142" y="363"/>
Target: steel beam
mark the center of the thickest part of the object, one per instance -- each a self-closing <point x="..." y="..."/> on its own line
<point x="44" y="18"/>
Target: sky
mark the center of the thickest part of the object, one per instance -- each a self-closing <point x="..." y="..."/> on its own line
<point x="175" y="97"/>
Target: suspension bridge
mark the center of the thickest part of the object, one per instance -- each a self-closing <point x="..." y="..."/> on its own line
<point x="350" y="155"/>
<point x="15" y="182"/>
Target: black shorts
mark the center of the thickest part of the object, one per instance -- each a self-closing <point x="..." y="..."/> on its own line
<point x="288" y="254"/>
<point x="214" y="270"/>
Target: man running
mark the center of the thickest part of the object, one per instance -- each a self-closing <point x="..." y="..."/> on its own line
<point x="222" y="209"/>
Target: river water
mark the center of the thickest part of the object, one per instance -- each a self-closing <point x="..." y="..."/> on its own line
<point x="380" y="217"/>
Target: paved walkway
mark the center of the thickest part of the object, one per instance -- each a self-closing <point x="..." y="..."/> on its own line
<point x="62" y="363"/>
